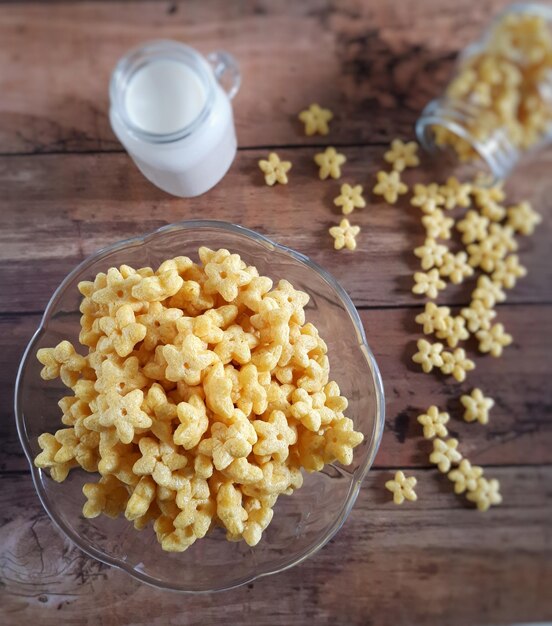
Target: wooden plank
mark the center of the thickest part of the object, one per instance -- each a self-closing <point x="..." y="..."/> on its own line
<point x="435" y="561"/>
<point x="375" y="64"/>
<point x="58" y="209"/>
<point x="519" y="432"/>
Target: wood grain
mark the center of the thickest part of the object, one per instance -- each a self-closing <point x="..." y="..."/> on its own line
<point x="433" y="561"/>
<point x="58" y="209"/>
<point x="520" y="431"/>
<point x="375" y="64"/>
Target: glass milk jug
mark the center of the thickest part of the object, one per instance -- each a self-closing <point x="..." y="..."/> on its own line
<point x="173" y="116"/>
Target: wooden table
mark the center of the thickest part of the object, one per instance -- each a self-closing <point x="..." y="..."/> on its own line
<point x="67" y="188"/>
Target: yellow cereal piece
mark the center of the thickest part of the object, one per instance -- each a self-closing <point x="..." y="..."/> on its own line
<point x="455" y="267"/>
<point x="344" y="235"/>
<point x="225" y="272"/>
<point x="488" y="292"/>
<point x="428" y="355"/>
<point x="329" y="162"/>
<point x="429" y="283"/>
<point x="259" y="516"/>
<point x="390" y="186"/>
<point x="478" y="316"/>
<point x="456" y="364"/>
<point x="316" y="120"/>
<point x="431" y="254"/>
<point x="477" y="406"/>
<point x="160" y="324"/>
<point x="437" y="225"/>
<point x="445" y="453"/>
<point x="275" y="170"/>
<point x="507" y="271"/>
<point x="522" y="218"/>
<point x="455" y="330"/>
<point x="122" y="332"/>
<point x="433" y="318"/>
<point x="108" y="496"/>
<point x="158" y="287"/>
<point x="455" y="193"/>
<point x="117" y="291"/>
<point x="493" y="340"/>
<point x="340" y="439"/>
<point x="434" y="422"/>
<point x="486" y="254"/>
<point x="474" y="227"/>
<point x="465" y="477"/>
<point x="427" y="197"/>
<point x="228" y="443"/>
<point x="50" y="446"/>
<point x="162" y="461"/>
<point x="125" y="414"/>
<point x="230" y="510"/>
<point x="194" y="422"/>
<point x="235" y="345"/>
<point x="402" y="155"/>
<point x="486" y="494"/>
<point x="274" y="437"/>
<point x="402" y="488"/>
<point x="350" y="198"/>
<point x="61" y="361"/>
<point x="141" y="498"/>
<point x="188" y="361"/>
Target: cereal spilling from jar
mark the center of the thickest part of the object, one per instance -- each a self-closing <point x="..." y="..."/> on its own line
<point x="504" y="87"/>
<point x="203" y="394"/>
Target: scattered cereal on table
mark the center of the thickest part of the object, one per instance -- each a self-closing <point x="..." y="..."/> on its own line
<point x="507" y="271"/>
<point x="477" y="406"/>
<point x="329" y="162"/>
<point x="486" y="494"/>
<point x="428" y="355"/>
<point x="427" y="197"/>
<point x="465" y="477"/>
<point x="455" y="193"/>
<point x="350" y="198"/>
<point x="316" y="120"/>
<point x="431" y="254"/>
<point x="454" y="331"/>
<point x="434" y="422"/>
<point x="402" y="155"/>
<point x="478" y="316"/>
<point x="437" y="224"/>
<point x="523" y="218"/>
<point x="474" y="227"/>
<point x="428" y="283"/>
<point x="344" y="235"/>
<point x="402" y="488"/>
<point x="456" y="364"/>
<point x="390" y="186"/>
<point x="493" y="340"/>
<point x="433" y="318"/>
<point x="488" y="292"/>
<point x="445" y="453"/>
<point x="275" y="170"/>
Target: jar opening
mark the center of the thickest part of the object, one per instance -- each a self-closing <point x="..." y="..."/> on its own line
<point x="162" y="91"/>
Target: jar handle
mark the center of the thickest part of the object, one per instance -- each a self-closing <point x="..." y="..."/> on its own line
<point x="225" y="65"/>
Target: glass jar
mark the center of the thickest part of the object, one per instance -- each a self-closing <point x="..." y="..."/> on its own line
<point x="172" y="115"/>
<point x="498" y="106"/>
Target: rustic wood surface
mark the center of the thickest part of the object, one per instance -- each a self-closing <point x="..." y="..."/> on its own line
<point x="68" y="188"/>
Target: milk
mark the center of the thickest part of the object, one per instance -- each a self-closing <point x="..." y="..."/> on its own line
<point x="173" y="117"/>
<point x="164" y="97"/>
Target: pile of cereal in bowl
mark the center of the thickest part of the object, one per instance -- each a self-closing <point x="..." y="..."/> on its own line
<point x="203" y="394"/>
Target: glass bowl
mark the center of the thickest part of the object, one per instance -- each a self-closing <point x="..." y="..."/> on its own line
<point x="303" y="522"/>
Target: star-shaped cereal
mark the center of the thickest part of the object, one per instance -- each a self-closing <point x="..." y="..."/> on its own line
<point x="474" y="227"/>
<point x="193" y="422"/>
<point x="158" y="287"/>
<point x="484" y="194"/>
<point x="478" y="316"/>
<point x="252" y="294"/>
<point x="494" y="211"/>
<point x="486" y="494"/>
<point x="486" y="254"/>
<point x="431" y="254"/>
<point x="62" y="361"/>
<point x="350" y="198"/>
<point x="235" y="345"/>
<point x="455" y="267"/>
<point x="160" y="323"/>
<point x="329" y="162"/>
<point x="390" y="186"/>
<point x="226" y="272"/>
<point x="477" y="406"/>
<point x="253" y="394"/>
<point x="493" y="340"/>
<point x="188" y="361"/>
<point x="229" y="508"/>
<point x="292" y="299"/>
<point x="465" y="477"/>
<point x="507" y="271"/>
<point x="503" y="238"/>
<point x="437" y="225"/>
<point x="259" y="516"/>
<point x="456" y="364"/>
<point x="142" y="497"/>
<point x="316" y="119"/>
<point x="428" y="355"/>
<point x="434" y="422"/>
<point x="402" y="488"/>
<point x="429" y="283"/>
<point x="50" y="446"/>
<point x="228" y="443"/>
<point x="454" y="331"/>
<point x="488" y="292"/>
<point x="455" y="193"/>
<point x="210" y="326"/>
<point x="523" y="218"/>
<point x="275" y="436"/>
<point x="433" y="318"/>
<point x="118" y="290"/>
<point x="402" y="155"/>
<point x="340" y="440"/>
<point x="445" y="453"/>
<point x="307" y="410"/>
<point x="124" y="413"/>
<point x="122" y="332"/>
<point x="108" y="496"/>
<point x="218" y="391"/>
<point x="427" y="197"/>
<point x="274" y="170"/>
<point x="162" y="461"/>
<point x="344" y="235"/>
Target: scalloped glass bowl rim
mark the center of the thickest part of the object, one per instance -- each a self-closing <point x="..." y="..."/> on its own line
<point x="363" y="346"/>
